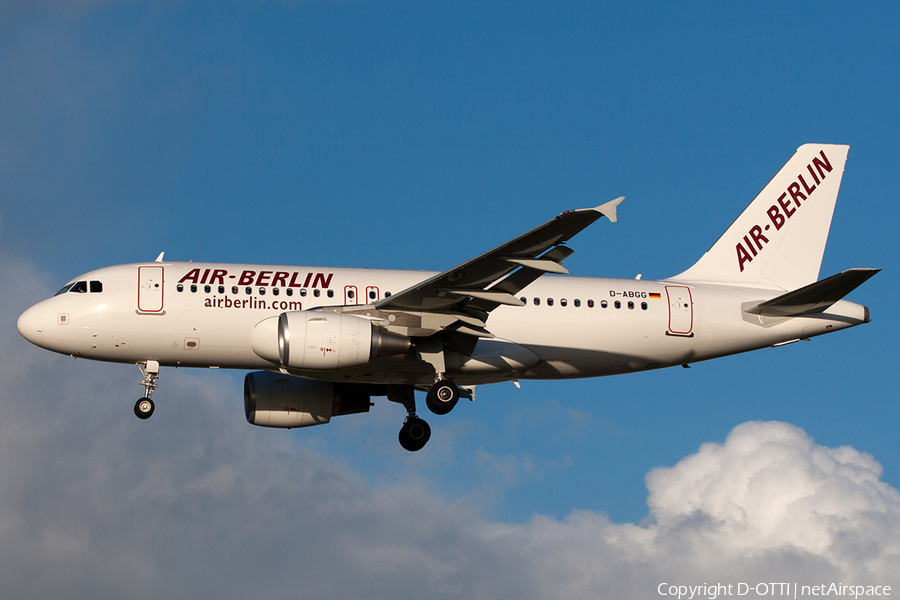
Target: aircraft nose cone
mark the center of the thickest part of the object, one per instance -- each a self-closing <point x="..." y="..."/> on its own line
<point x="31" y="324"/>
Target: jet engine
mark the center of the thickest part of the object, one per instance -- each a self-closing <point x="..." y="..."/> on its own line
<point x="274" y="400"/>
<point x="322" y="341"/>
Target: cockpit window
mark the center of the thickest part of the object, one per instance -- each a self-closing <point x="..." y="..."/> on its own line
<point x="81" y="287"/>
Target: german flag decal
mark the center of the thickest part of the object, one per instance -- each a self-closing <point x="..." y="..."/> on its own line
<point x="655" y="295"/>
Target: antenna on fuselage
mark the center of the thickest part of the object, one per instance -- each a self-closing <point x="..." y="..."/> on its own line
<point x="160" y="257"/>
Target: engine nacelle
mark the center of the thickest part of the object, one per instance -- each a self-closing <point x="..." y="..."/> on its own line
<point x="323" y="341"/>
<point x="274" y="400"/>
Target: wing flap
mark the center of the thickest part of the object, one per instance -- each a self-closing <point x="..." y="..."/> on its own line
<point x="540" y="264"/>
<point x="491" y="296"/>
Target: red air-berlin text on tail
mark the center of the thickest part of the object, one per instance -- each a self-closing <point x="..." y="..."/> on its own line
<point x="785" y="207"/>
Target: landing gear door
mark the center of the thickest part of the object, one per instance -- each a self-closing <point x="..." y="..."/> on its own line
<point x="681" y="310"/>
<point x="150" y="289"/>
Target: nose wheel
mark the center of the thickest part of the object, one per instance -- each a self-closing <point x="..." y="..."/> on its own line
<point x="144" y="407"/>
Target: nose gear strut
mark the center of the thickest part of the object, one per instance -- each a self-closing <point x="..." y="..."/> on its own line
<point x="144" y="407"/>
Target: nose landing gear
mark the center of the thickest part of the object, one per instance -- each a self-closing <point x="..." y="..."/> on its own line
<point x="145" y="406"/>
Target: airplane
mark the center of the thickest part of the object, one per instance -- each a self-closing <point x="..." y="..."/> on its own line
<point x="321" y="342"/>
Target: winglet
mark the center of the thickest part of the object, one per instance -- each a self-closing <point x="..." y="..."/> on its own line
<point x="609" y="209"/>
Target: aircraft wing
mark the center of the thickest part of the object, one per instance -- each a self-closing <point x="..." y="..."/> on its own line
<point x="470" y="291"/>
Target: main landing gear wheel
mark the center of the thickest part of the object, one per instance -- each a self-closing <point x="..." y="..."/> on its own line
<point x="414" y="434"/>
<point x="442" y="397"/>
<point x="143" y="408"/>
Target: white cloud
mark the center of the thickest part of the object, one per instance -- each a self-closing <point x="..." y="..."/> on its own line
<point x="196" y="503"/>
<point x="770" y="486"/>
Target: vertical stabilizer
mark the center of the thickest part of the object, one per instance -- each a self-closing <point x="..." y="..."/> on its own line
<point x="779" y="239"/>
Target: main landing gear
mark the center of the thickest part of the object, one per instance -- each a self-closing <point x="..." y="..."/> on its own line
<point x="144" y="407"/>
<point x="415" y="432"/>
<point x="441" y="399"/>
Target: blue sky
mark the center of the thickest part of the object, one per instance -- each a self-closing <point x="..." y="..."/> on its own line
<point x="418" y="135"/>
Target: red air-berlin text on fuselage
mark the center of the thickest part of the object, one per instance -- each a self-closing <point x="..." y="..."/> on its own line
<point x="785" y="207"/>
<point x="287" y="279"/>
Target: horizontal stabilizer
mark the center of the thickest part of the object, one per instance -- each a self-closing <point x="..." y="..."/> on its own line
<point x="813" y="298"/>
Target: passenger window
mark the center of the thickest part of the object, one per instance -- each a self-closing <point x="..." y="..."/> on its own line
<point x="207" y="289"/>
<point x="643" y="306"/>
<point x="262" y="291"/>
<point x="275" y="291"/>
<point x="180" y="287"/>
<point x="387" y="294"/>
<point x="96" y="287"/>
<point x="193" y="287"/>
<point x="221" y="289"/>
<point x="289" y="292"/>
<point x="248" y="290"/>
<point x="80" y="287"/>
<point x="372" y="295"/>
<point x="317" y="293"/>
<point x="604" y="303"/>
<point x="617" y="304"/>
<point x="591" y="304"/>
<point x="303" y="292"/>
<point x="630" y="305"/>
<point x="563" y="301"/>
<point x="331" y="293"/>
<point x="549" y="301"/>
<point x="537" y="301"/>
<point x="234" y="289"/>
<point x="577" y="302"/>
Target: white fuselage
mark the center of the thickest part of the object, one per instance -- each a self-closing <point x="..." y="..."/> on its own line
<point x="203" y="315"/>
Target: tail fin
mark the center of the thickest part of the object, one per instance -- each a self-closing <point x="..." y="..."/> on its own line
<point x="779" y="239"/>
